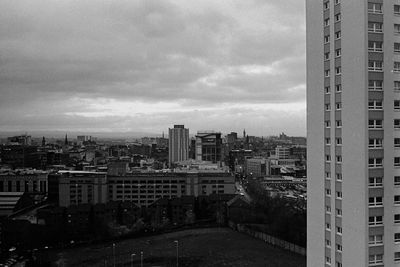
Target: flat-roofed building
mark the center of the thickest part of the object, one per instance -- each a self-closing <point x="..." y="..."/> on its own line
<point x="79" y="187"/>
<point x="23" y="180"/>
<point x="146" y="188"/>
<point x="209" y="146"/>
<point x="178" y="144"/>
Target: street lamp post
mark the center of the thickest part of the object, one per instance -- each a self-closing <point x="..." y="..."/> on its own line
<point x="141" y="258"/>
<point x="132" y="255"/>
<point x="177" y="252"/>
<point x="113" y="254"/>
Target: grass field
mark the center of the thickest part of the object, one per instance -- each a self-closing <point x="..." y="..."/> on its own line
<point x="199" y="247"/>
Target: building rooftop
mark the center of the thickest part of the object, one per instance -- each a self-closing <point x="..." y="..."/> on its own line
<point x="21" y="172"/>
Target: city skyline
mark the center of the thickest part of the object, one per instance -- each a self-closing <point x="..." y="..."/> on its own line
<point x="141" y="66"/>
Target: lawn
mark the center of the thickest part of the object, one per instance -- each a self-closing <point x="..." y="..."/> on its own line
<point x="199" y="247"/>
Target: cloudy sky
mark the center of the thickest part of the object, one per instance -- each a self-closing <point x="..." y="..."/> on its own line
<point x="120" y="66"/>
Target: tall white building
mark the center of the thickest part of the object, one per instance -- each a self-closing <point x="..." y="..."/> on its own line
<point x="353" y="125"/>
<point x="178" y="144"/>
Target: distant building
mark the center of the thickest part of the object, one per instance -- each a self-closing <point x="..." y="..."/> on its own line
<point x="282" y="152"/>
<point x="145" y="188"/>
<point x="231" y="138"/>
<point x="209" y="146"/>
<point x="257" y="167"/>
<point x="18" y="156"/>
<point x="283" y="162"/>
<point x="79" y="187"/>
<point x="142" y="188"/>
<point x="237" y="158"/>
<point x="24" y="140"/>
<point x="23" y="180"/>
<point x="11" y="202"/>
<point x="178" y="144"/>
<point x="162" y="142"/>
<point x="192" y="148"/>
<point x="148" y="140"/>
<point x="118" y="168"/>
<point x="83" y="138"/>
<point x="299" y="152"/>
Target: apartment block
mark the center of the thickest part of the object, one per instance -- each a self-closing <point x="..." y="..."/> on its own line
<point x="353" y="132"/>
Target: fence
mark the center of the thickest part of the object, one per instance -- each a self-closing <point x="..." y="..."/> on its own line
<point x="268" y="239"/>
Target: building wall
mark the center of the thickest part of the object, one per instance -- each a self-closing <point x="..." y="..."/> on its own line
<point x="257" y="167"/>
<point x="354" y="116"/>
<point x="178" y="144"/>
<point x="24" y="183"/>
<point x="352" y="159"/>
<point x="315" y="135"/>
<point x="282" y="152"/>
<point x="209" y="146"/>
<point x="146" y="188"/>
<point x="79" y="187"/>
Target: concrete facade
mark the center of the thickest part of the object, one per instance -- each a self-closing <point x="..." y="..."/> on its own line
<point x="353" y="83"/>
<point x="178" y="144"/>
<point x="209" y="146"/>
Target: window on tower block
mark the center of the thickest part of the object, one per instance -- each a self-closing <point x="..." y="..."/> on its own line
<point x="396" y="67"/>
<point x="397" y="180"/>
<point x="375" y="124"/>
<point x="397" y="237"/>
<point x="374" y="8"/>
<point x="397" y="28"/>
<point x="375" y="182"/>
<point x="375" y="104"/>
<point x="397" y="218"/>
<point x="397" y="47"/>
<point x="375" y="239"/>
<point x="375" y="85"/>
<point x="396" y="123"/>
<point x="397" y="142"/>
<point x="375" y="46"/>
<point x="397" y="161"/>
<point x="375" y="65"/>
<point x="375" y="259"/>
<point x="396" y="85"/>
<point x="375" y="162"/>
<point x="375" y="220"/>
<point x="396" y="104"/>
<point x="397" y="9"/>
<point x="375" y="27"/>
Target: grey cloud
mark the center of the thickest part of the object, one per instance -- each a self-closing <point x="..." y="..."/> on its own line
<point x="54" y="51"/>
<point x="272" y="121"/>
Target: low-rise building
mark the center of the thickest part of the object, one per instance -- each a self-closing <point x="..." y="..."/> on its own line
<point x="142" y="188"/>
<point x="23" y="180"/>
<point x="145" y="188"/>
<point x="78" y="187"/>
<point x="282" y="152"/>
<point x="257" y="167"/>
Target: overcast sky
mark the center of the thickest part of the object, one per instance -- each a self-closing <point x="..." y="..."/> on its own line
<point x="146" y="65"/>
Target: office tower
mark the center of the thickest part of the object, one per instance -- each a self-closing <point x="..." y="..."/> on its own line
<point x="209" y="146"/>
<point x="353" y="125"/>
<point x="282" y="152"/>
<point x="178" y="144"/>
